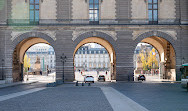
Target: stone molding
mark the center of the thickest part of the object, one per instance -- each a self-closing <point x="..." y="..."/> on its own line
<point x="138" y="33"/>
<point x="16" y="34"/>
<point x="76" y="34"/>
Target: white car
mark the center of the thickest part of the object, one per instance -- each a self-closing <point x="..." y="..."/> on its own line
<point x="184" y="83"/>
<point x="89" y="79"/>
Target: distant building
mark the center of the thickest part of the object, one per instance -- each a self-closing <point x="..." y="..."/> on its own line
<point x="45" y="53"/>
<point x="87" y="58"/>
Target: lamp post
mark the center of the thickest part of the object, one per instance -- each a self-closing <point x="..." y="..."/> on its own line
<point x="2" y="69"/>
<point x="183" y="60"/>
<point x="27" y="73"/>
<point x="63" y="60"/>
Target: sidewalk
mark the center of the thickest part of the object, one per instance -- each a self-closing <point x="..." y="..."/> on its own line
<point x="16" y="84"/>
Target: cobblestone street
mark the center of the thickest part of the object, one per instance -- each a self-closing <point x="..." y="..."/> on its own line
<point x="156" y="96"/>
<point x="67" y="97"/>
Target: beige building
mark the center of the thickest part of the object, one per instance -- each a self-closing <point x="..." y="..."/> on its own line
<point x="46" y="55"/>
<point x="89" y="59"/>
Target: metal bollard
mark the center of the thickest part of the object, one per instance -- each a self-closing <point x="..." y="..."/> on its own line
<point x="82" y="84"/>
<point x="76" y="83"/>
<point x="89" y="84"/>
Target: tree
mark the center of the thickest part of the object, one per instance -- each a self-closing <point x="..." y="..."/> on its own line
<point x="152" y="61"/>
<point x="148" y="59"/>
<point x="26" y="62"/>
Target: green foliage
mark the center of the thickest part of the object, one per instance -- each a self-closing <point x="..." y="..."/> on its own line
<point x="148" y="59"/>
<point x="26" y="63"/>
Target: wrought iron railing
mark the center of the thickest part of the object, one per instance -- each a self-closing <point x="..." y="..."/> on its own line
<point x="20" y="22"/>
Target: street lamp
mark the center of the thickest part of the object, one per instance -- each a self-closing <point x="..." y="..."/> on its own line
<point x="63" y="60"/>
<point x="183" y="60"/>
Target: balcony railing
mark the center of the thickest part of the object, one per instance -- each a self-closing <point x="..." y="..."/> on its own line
<point x="20" y="22"/>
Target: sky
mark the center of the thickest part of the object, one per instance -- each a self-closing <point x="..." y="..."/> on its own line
<point x="94" y="45"/>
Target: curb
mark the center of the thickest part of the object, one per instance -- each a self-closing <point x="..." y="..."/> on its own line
<point x="16" y="84"/>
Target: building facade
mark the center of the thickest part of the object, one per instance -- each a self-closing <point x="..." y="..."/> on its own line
<point x="45" y="53"/>
<point x="118" y="25"/>
<point x="88" y="59"/>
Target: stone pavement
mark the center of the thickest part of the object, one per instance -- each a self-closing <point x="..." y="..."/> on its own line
<point x="102" y="96"/>
<point x="120" y="102"/>
<point x="59" y="99"/>
<point x="16" y="84"/>
<point x="156" y="96"/>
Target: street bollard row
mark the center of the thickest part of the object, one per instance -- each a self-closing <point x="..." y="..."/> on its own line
<point x="77" y="84"/>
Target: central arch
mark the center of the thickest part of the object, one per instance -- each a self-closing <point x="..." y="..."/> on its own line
<point x="107" y="46"/>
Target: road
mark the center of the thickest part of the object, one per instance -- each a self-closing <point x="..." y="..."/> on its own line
<point x="97" y="97"/>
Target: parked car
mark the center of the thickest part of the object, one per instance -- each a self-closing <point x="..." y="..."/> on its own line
<point x="141" y="77"/>
<point x="89" y="79"/>
<point x="101" y="77"/>
<point x="184" y="80"/>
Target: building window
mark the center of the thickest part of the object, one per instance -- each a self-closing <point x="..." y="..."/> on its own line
<point x="153" y="11"/>
<point x="34" y="11"/>
<point x="94" y="11"/>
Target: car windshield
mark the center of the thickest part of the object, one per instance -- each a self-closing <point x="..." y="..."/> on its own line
<point x="101" y="76"/>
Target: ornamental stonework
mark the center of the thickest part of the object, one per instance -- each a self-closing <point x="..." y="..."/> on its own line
<point x="137" y="33"/>
<point x="78" y="33"/>
<point x="16" y="34"/>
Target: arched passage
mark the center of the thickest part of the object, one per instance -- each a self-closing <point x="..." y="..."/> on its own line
<point x="18" y="56"/>
<point x="107" y="46"/>
<point x="167" y="64"/>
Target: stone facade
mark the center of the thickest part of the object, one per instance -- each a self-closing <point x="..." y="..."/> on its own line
<point x="139" y="9"/>
<point x="48" y="9"/>
<point x="121" y="35"/>
<point x="80" y="9"/>
<point x="108" y="9"/>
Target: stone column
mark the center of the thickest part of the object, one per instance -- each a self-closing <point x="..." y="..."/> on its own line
<point x="161" y="70"/>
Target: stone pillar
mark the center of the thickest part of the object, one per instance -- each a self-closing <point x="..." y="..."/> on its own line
<point x="64" y="44"/>
<point x="161" y="70"/>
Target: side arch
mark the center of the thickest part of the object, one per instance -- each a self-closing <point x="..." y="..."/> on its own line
<point x="166" y="45"/>
<point x="20" y="45"/>
<point x="156" y="34"/>
<point x="27" y="35"/>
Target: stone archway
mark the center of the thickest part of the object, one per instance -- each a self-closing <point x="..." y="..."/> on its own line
<point x="164" y="44"/>
<point x="107" y="46"/>
<point x="20" y="46"/>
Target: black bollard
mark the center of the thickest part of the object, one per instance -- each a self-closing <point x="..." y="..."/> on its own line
<point x="128" y="78"/>
<point x="89" y="84"/>
<point x="82" y="84"/>
<point x="76" y="83"/>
